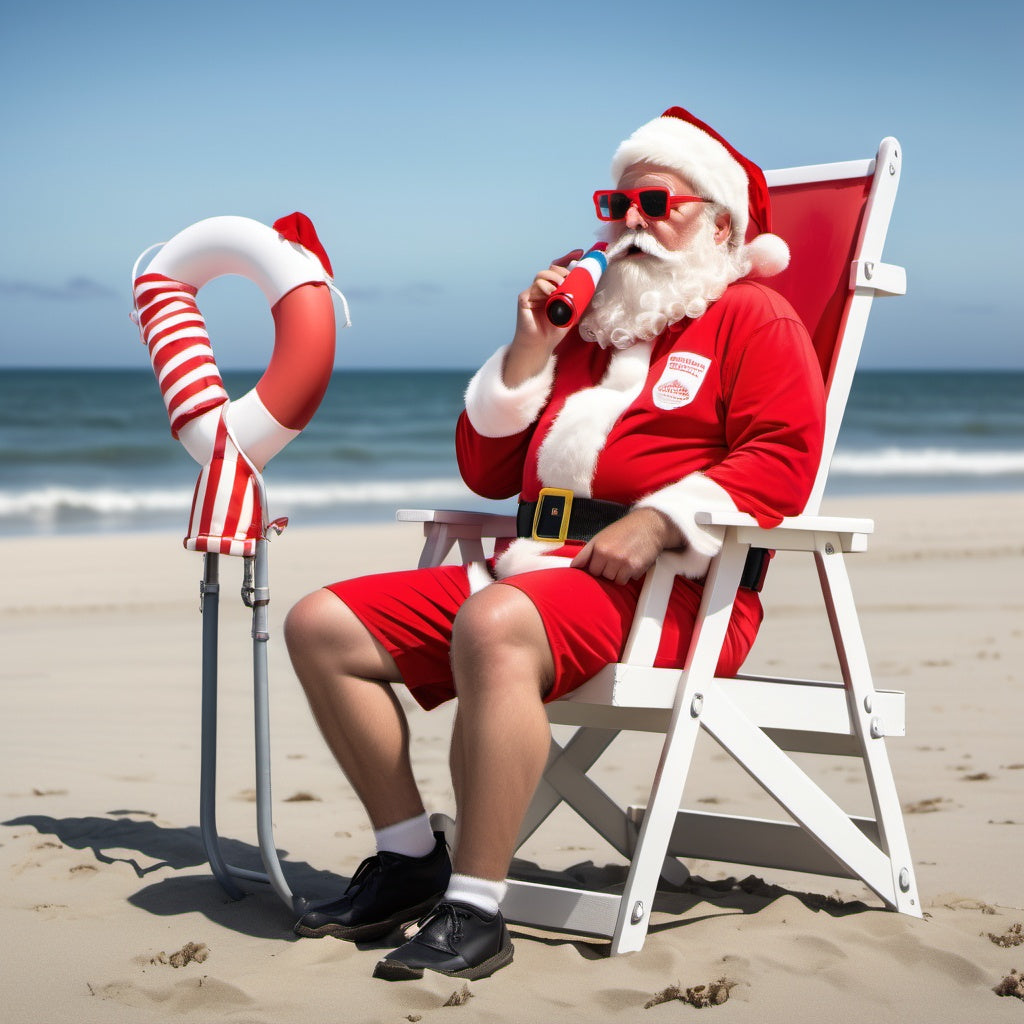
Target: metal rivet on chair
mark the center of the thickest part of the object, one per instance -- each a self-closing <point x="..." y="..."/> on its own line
<point x="868" y="704"/>
<point x="697" y="705"/>
<point x="638" y="912"/>
<point x="829" y="549"/>
<point x="877" y="728"/>
<point x="904" y="880"/>
<point x="869" y="269"/>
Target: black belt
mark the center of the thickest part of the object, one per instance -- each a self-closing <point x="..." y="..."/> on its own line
<point x="559" y="515"/>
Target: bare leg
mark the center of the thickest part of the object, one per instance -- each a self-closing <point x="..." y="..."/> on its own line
<point x="502" y="666"/>
<point x="346" y="674"/>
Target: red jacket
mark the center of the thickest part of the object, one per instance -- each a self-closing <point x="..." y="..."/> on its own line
<point x="728" y="412"/>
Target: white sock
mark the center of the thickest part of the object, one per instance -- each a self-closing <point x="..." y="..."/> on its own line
<point x="412" y="837"/>
<point x="477" y="892"/>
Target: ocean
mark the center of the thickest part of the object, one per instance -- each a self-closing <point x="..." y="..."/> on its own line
<point x="83" y="451"/>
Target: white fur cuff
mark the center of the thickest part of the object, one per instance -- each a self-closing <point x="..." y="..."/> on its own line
<point x="499" y="411"/>
<point x="680" y="502"/>
<point x="528" y="555"/>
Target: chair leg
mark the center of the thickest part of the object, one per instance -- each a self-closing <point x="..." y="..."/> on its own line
<point x="801" y="797"/>
<point x="566" y="779"/>
<point x="870" y="729"/>
<point x="677" y="752"/>
<point x="655" y="833"/>
<point x="583" y="749"/>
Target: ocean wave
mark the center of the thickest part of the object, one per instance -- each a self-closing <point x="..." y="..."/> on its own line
<point x="65" y="507"/>
<point x="932" y="462"/>
<point x="47" y="502"/>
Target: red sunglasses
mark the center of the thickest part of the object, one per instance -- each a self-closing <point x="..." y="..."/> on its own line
<point x="654" y="202"/>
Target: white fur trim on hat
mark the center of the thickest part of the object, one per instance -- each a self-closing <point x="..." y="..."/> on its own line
<point x="703" y="161"/>
<point x="680" y="502"/>
<point x="769" y="255"/>
<point x="711" y="169"/>
<point x="496" y="410"/>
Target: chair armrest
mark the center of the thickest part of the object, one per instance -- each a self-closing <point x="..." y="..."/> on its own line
<point x="794" y="533"/>
<point x="442" y="528"/>
<point x="480" y="524"/>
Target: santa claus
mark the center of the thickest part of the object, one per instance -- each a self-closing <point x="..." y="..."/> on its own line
<point x="688" y="386"/>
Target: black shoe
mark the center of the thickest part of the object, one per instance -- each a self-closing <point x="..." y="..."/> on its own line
<point x="387" y="890"/>
<point x="454" y="939"/>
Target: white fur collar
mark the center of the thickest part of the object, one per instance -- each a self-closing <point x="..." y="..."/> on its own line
<point x="568" y="455"/>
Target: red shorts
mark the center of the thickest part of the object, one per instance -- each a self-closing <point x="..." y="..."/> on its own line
<point x="587" y="621"/>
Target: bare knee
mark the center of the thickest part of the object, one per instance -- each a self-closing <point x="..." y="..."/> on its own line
<point x="499" y="639"/>
<point x="325" y="638"/>
<point x="311" y="622"/>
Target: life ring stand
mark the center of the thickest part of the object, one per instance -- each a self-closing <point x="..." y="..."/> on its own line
<point x="289" y="266"/>
<point x="232" y="441"/>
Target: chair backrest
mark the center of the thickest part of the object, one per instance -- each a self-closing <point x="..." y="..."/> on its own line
<point x="835" y="218"/>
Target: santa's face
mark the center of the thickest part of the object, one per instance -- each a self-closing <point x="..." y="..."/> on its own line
<point x="679" y="229"/>
<point x="659" y="271"/>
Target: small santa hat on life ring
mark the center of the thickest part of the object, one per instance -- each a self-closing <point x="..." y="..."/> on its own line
<point x="298" y="228"/>
<point x="682" y="143"/>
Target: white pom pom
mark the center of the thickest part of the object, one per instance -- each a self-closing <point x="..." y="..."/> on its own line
<point x="769" y="255"/>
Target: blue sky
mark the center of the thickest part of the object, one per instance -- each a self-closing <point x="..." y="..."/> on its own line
<point x="446" y="151"/>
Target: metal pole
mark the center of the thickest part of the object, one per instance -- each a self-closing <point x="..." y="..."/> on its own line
<point x="261" y="704"/>
<point x="209" y="606"/>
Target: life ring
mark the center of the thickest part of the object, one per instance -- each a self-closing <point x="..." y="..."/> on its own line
<point x="296" y="281"/>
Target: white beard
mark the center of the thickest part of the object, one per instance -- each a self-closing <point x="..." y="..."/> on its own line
<point x="639" y="296"/>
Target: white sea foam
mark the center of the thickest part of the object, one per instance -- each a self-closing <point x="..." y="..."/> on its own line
<point x="53" y="506"/>
<point x="48" y="502"/>
<point x="936" y="462"/>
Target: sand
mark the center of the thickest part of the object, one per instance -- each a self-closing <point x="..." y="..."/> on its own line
<point x="109" y="911"/>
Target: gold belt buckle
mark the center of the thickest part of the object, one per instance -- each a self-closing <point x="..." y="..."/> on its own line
<point x="551" y="516"/>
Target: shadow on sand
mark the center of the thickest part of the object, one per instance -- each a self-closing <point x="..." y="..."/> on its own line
<point x="113" y="839"/>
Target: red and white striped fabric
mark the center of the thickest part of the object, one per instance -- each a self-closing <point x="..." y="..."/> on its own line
<point x="175" y="333"/>
<point x="233" y="441"/>
<point x="228" y="514"/>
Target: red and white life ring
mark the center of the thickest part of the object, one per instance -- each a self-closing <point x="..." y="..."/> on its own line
<point x="296" y="282"/>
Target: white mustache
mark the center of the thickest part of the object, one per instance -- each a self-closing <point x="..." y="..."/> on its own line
<point x="640" y="240"/>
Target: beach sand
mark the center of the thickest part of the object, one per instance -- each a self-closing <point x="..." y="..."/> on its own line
<point x="109" y="911"/>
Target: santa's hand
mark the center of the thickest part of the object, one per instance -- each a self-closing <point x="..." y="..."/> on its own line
<point x="536" y="337"/>
<point x="627" y="548"/>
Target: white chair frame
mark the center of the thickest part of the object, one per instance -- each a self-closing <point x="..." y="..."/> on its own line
<point x="756" y="719"/>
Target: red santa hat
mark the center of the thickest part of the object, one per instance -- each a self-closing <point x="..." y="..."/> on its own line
<point x="680" y="142"/>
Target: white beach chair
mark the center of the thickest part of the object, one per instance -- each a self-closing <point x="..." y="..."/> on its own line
<point x="835" y="218"/>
